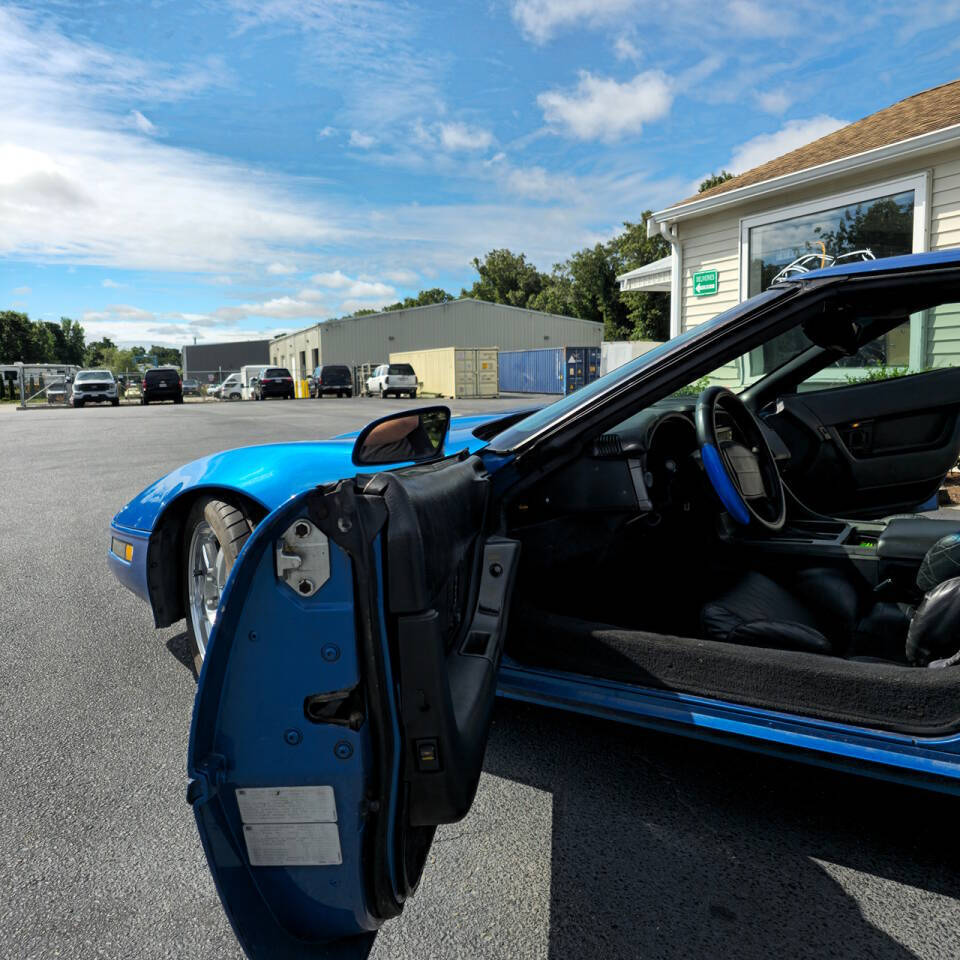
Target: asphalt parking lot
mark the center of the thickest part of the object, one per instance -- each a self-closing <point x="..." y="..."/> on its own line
<point x="586" y="839"/>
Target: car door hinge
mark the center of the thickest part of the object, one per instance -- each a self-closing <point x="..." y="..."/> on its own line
<point x="344" y="708"/>
<point x="303" y="558"/>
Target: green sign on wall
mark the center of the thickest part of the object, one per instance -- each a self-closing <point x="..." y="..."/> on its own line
<point x="705" y="283"/>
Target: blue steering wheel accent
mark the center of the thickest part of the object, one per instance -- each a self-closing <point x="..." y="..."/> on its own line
<point x="723" y="485"/>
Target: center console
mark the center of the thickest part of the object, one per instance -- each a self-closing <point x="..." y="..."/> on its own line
<point x="878" y="550"/>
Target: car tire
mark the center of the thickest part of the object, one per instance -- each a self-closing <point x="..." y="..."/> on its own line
<point x="78" y="404"/>
<point x="224" y="526"/>
<point x="178" y="400"/>
<point x="115" y="402"/>
<point x="383" y="394"/>
<point x="413" y="394"/>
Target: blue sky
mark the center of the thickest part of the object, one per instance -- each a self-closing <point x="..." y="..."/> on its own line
<point x="220" y="170"/>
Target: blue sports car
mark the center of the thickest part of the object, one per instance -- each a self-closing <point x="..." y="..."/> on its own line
<point x="723" y="538"/>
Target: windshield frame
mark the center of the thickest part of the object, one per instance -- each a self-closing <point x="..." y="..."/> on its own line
<point x="84" y="375"/>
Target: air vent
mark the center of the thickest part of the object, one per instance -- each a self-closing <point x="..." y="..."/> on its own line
<point x="608" y="445"/>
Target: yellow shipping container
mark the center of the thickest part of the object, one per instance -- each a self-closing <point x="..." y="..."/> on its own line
<point x="454" y="372"/>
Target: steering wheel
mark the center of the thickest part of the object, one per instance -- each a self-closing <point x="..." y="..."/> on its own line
<point x="740" y="466"/>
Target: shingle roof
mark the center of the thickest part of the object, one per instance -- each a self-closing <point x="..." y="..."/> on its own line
<point x="924" y="112"/>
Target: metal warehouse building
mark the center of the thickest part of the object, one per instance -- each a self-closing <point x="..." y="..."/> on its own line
<point x="460" y="323"/>
<point x="219" y="359"/>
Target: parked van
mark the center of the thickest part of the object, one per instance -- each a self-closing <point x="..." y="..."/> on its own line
<point x="248" y="374"/>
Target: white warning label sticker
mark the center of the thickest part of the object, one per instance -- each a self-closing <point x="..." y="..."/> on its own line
<point x="292" y="844"/>
<point x="287" y="804"/>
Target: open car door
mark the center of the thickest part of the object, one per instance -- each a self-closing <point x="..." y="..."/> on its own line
<point x="344" y="703"/>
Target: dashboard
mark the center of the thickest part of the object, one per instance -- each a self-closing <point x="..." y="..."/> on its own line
<point x="647" y="465"/>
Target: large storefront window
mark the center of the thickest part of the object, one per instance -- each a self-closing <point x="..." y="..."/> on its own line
<point x="883" y="226"/>
<point x="873" y="227"/>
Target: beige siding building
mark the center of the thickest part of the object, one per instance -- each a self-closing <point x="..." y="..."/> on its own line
<point x="886" y="185"/>
<point x="460" y="323"/>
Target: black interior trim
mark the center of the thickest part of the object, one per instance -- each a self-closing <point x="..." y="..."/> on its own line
<point x="878" y="695"/>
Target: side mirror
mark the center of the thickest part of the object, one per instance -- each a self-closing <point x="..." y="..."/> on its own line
<point x="418" y="435"/>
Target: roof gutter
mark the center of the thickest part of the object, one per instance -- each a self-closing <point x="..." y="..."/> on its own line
<point x="671" y="234"/>
<point x="893" y="151"/>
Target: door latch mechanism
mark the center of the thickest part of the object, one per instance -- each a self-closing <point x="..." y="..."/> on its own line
<point x="303" y="558"/>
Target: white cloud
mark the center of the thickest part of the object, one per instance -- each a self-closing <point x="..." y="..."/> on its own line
<point x="773" y="101"/>
<point x="625" y="49"/>
<point x="458" y="136"/>
<point x="279" y="308"/>
<point x="452" y="136"/>
<point x="138" y="120"/>
<point x="362" y="140"/>
<point x="21" y="291"/>
<point x="281" y="269"/>
<point x="354" y="288"/>
<point x="77" y="184"/>
<point x="118" y="312"/>
<point x="403" y="277"/>
<point x="793" y="134"/>
<point x="762" y="20"/>
<point x="540" y="19"/>
<point x="326" y="132"/>
<point x="538" y="183"/>
<point x="334" y="281"/>
<point x="600" y="108"/>
<point x="110" y="284"/>
<point x="352" y="304"/>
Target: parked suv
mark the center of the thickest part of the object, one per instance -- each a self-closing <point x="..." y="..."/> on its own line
<point x="333" y="378"/>
<point x="161" y="383"/>
<point x="395" y="378"/>
<point x="191" y="388"/>
<point x="275" y="382"/>
<point x="94" y="386"/>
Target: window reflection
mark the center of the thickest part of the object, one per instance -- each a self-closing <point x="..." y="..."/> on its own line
<point x="883" y="227"/>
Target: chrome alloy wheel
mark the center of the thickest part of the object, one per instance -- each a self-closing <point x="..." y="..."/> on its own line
<point x="208" y="574"/>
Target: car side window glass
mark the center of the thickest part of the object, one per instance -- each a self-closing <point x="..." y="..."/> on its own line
<point x="926" y="341"/>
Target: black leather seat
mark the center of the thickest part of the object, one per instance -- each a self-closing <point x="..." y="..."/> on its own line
<point x="817" y="613"/>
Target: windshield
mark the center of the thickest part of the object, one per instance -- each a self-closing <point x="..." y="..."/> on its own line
<point x="94" y="375"/>
<point x="521" y="431"/>
<point x="276" y="372"/>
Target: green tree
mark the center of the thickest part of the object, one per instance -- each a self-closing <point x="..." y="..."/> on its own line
<point x="506" y="277"/>
<point x="648" y="314"/>
<point x="585" y="286"/>
<point x="14" y="337"/>
<point x="166" y="356"/>
<point x="94" y="356"/>
<point x="715" y="179"/>
<point x="74" y="341"/>
<point x="422" y="299"/>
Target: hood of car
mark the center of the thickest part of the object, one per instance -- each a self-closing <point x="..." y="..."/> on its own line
<point x="272" y="473"/>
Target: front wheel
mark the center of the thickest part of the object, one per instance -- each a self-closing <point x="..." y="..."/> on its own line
<point x="115" y="402"/>
<point x="213" y="537"/>
<point x="383" y="394"/>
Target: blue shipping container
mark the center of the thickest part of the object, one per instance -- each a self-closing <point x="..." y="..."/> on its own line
<point x="548" y="369"/>
<point x="581" y="366"/>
